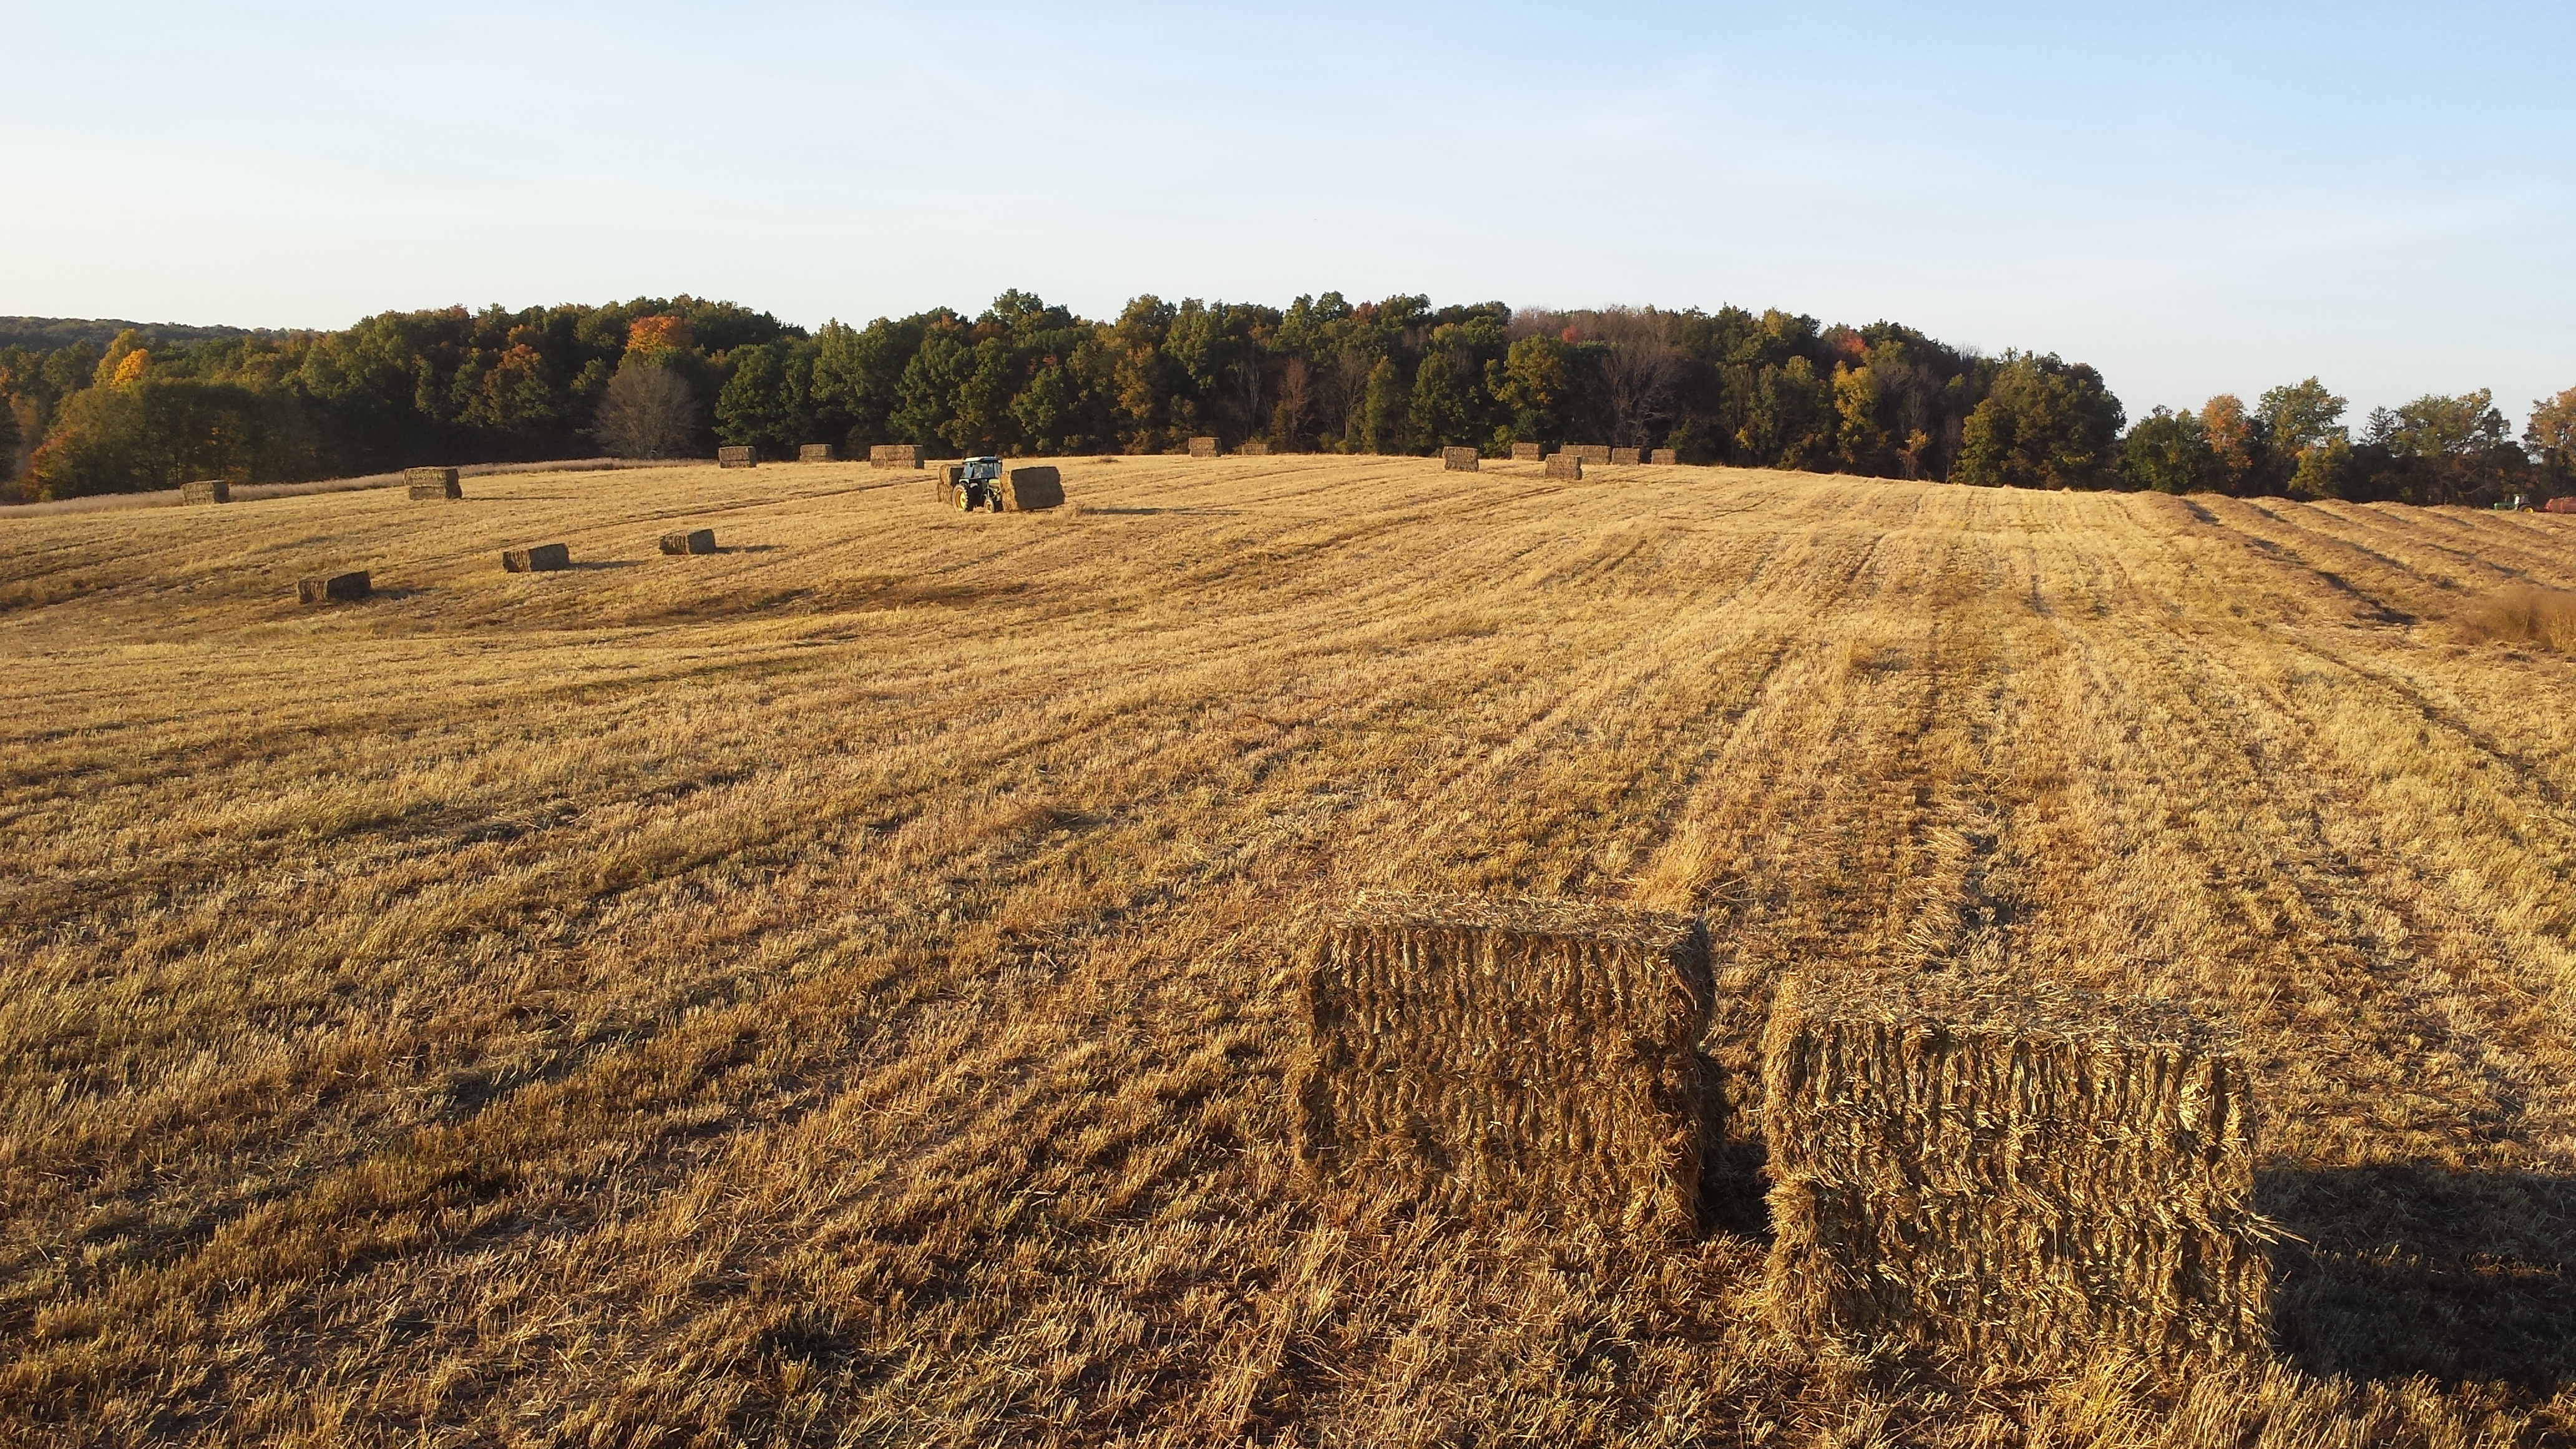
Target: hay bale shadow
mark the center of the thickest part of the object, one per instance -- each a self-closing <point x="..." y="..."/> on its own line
<point x="595" y="565"/>
<point x="2415" y="1268"/>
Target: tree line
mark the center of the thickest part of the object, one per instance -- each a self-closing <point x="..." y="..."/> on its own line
<point x="675" y="377"/>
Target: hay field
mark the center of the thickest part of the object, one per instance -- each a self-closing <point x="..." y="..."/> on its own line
<point x="837" y="990"/>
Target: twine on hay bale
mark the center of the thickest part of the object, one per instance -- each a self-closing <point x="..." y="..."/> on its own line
<point x="1202" y="447"/>
<point x="694" y="540"/>
<point x="1035" y="487"/>
<point x="1532" y="1054"/>
<point x="1664" y="455"/>
<point x="427" y="483"/>
<point x="536" y="559"/>
<point x="1527" y="452"/>
<point x="206" y="490"/>
<point x="1254" y="448"/>
<point x="894" y="455"/>
<point x="817" y="453"/>
<point x="338" y="588"/>
<point x="1625" y="455"/>
<point x="738" y="457"/>
<point x="1568" y="464"/>
<point x="2019" y="1178"/>
<point x="1459" y="460"/>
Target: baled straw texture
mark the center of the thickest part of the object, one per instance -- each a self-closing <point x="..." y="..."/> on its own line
<point x="1626" y="455"/>
<point x="816" y="453"/>
<point x="1589" y="452"/>
<point x="1459" y="460"/>
<point x="688" y="541"/>
<point x="1254" y="448"/>
<point x="894" y="455"/>
<point x="1025" y="489"/>
<point x="2015" y="1180"/>
<point x="1515" y="1054"/>
<point x="536" y="559"/>
<point x="1202" y="447"/>
<point x="737" y="456"/>
<point x="427" y="483"/>
<point x="1525" y="452"/>
<point x="209" y="490"/>
<point x="1567" y="464"/>
<point x="335" y="589"/>
<point x="1664" y="455"/>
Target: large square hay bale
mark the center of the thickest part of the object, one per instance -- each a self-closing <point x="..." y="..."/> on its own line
<point x="1254" y="448"/>
<point x="694" y="540"/>
<point x="425" y="483"/>
<point x="338" y="588"/>
<point x="1527" y="452"/>
<point x="1459" y="460"/>
<point x="1625" y="455"/>
<point x="1202" y="447"/>
<point x="208" y="490"/>
<point x="816" y="453"/>
<point x="1039" y="486"/>
<point x="946" y="480"/>
<point x="1509" y="1054"/>
<point x="1589" y="452"/>
<point x="894" y="455"/>
<point x="737" y="457"/>
<point x="1568" y="464"/>
<point x="2010" y="1177"/>
<point x="537" y="559"/>
<point x="1665" y="455"/>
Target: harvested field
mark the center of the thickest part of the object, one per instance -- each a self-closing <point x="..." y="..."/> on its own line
<point x="845" y="989"/>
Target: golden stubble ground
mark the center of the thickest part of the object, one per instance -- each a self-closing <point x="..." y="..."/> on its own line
<point x="833" y="991"/>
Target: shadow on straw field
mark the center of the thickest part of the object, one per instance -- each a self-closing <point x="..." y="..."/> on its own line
<point x="2415" y="1268"/>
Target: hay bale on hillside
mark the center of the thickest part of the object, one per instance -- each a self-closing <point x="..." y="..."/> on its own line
<point x="694" y="540"/>
<point x="1527" y="452"/>
<point x="1568" y="464"/>
<point x="1664" y="455"/>
<point x="537" y="559"/>
<point x="1589" y="452"/>
<point x="1027" y="489"/>
<point x="817" y="453"/>
<point x="207" y="490"/>
<point x="1254" y="448"/>
<point x="426" y="483"/>
<point x="2017" y="1178"/>
<point x="338" y="588"/>
<point x="737" y="457"/>
<point x="1459" y="460"/>
<point x="894" y="455"/>
<point x="1509" y="1054"/>
<point x="1625" y="455"/>
<point x="1202" y="447"/>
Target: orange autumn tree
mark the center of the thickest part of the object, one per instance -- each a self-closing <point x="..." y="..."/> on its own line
<point x="652" y="337"/>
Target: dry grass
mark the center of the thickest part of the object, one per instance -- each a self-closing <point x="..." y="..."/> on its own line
<point x="840" y="991"/>
<point x="2522" y="614"/>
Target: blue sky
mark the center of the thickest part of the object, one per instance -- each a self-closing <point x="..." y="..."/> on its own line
<point x="2193" y="198"/>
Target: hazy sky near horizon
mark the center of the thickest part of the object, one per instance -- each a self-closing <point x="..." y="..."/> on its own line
<point x="2194" y="198"/>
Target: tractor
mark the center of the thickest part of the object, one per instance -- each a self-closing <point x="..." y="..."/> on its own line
<point x="979" y="485"/>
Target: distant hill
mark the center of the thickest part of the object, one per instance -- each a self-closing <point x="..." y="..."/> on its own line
<point x="44" y="334"/>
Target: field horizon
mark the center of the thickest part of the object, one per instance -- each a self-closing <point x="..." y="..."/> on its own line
<point x="836" y="990"/>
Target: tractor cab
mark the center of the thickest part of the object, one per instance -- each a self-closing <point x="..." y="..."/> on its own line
<point x="979" y="484"/>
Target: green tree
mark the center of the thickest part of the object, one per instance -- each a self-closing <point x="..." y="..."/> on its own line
<point x="2551" y="437"/>
<point x="161" y="432"/>
<point x="1383" y="409"/>
<point x="2166" y="452"/>
<point x="926" y="398"/>
<point x="1531" y="382"/>
<point x="2444" y="449"/>
<point x="2044" y="423"/>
